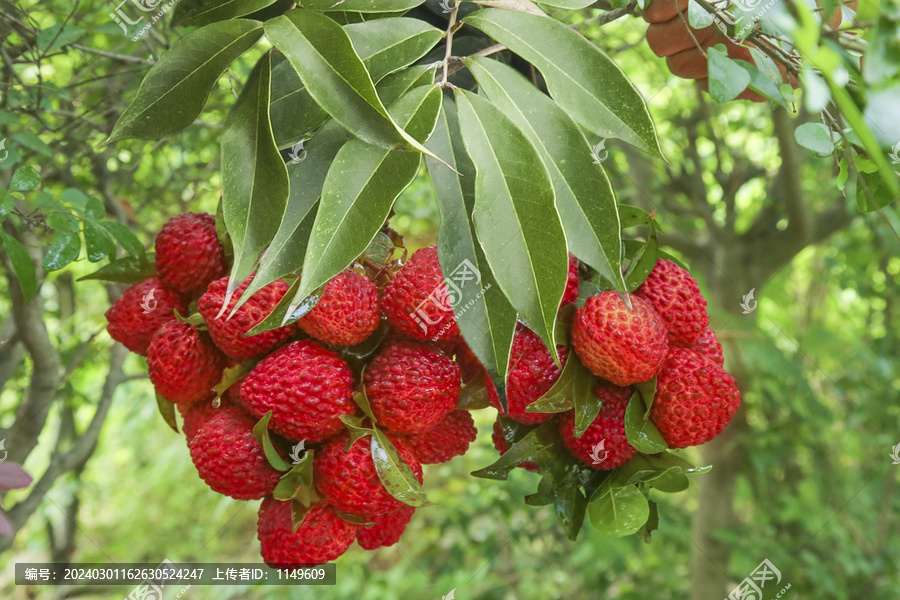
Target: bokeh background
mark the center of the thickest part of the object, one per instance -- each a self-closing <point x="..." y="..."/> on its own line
<point x="802" y="477"/>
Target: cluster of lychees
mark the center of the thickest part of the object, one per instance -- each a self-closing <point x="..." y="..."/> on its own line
<point x="304" y="376"/>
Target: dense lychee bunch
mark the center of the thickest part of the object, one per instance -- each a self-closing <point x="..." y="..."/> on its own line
<point x="619" y="344"/>
<point x="417" y="301"/>
<point x="677" y="299"/>
<point x="183" y="363"/>
<point x="229" y="332"/>
<point x="346" y="314"/>
<point x="695" y="399"/>
<point x="354" y="414"/>
<point x="306" y="386"/>
<point x="140" y="311"/>
<point x="411" y="387"/>
<point x="603" y="444"/>
<point x="188" y="253"/>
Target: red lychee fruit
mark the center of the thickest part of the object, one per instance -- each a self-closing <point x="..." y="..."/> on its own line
<point x="603" y="445"/>
<point x="387" y="529"/>
<point x="188" y="253"/>
<point x="306" y="386"/>
<point x="449" y="438"/>
<point x="695" y="399"/>
<point x="322" y="537"/>
<point x="140" y="311"/>
<point x="708" y="347"/>
<point x="411" y="387"/>
<point x="501" y="446"/>
<point x="183" y="363"/>
<point x="677" y="299"/>
<point x="620" y="345"/>
<point x="346" y="314"/>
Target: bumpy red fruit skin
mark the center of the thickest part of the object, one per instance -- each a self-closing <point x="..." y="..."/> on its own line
<point x="532" y="373"/>
<point x="348" y="480"/>
<point x="571" y="292"/>
<point x="608" y="427"/>
<point x="306" y="386"/>
<point x="140" y="311"/>
<point x="387" y="529"/>
<point x="188" y="253"/>
<point x="501" y="447"/>
<point x="411" y="387"/>
<point x="471" y="368"/>
<point x="406" y="298"/>
<point x="708" y="347"/>
<point x="230" y="334"/>
<point x="449" y="438"/>
<point x="321" y="538"/>
<point x="183" y="363"/>
<point x="346" y="314"/>
<point x="621" y="346"/>
<point x="694" y="400"/>
<point x="676" y="297"/>
<point x="228" y="457"/>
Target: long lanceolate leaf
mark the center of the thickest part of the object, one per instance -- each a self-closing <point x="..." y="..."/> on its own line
<point x="515" y="216"/>
<point x="584" y="196"/>
<point x="384" y="46"/>
<point x="486" y="318"/>
<point x="580" y="77"/>
<point x="254" y="177"/>
<point x="363" y="6"/>
<point x="358" y="193"/>
<point x="203" y="12"/>
<point x="175" y="90"/>
<point x="323" y="56"/>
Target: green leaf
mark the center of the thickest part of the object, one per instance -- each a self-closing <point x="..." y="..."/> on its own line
<point x="175" y="90"/>
<point x="203" y="12"/>
<point x="298" y="514"/>
<point x="323" y="56"/>
<point x="644" y="256"/>
<point x="126" y="238"/>
<point x="726" y="77"/>
<point x="231" y="376"/>
<point x="24" y="179"/>
<point x="358" y="193"/>
<point x="7" y="203"/>
<point x="583" y="80"/>
<point x="815" y="137"/>
<point x="64" y="248"/>
<point x="167" y="410"/>
<point x="489" y="323"/>
<point x="646" y="469"/>
<point x="474" y="394"/>
<point x="261" y="433"/>
<point x="384" y="46"/>
<point x="395" y="474"/>
<point x="21" y="264"/>
<point x="363" y="6"/>
<point x="75" y="197"/>
<point x="94" y="208"/>
<point x="541" y="445"/>
<point x="559" y="397"/>
<point x="362" y="401"/>
<point x="287" y="250"/>
<point x="388" y="45"/>
<point x="355" y="428"/>
<point x="297" y="484"/>
<point x="647" y="390"/>
<point x="568" y="4"/>
<point x="255" y="183"/>
<point x="587" y="405"/>
<point x="632" y="216"/>
<point x="33" y="143"/>
<point x="652" y="524"/>
<point x="129" y="269"/>
<point x="57" y="36"/>
<point x="698" y="17"/>
<point x="515" y="215"/>
<point x="617" y="512"/>
<point x="584" y="196"/>
<point x="97" y="241"/>
<point x="640" y="431"/>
